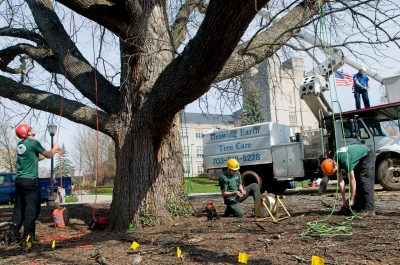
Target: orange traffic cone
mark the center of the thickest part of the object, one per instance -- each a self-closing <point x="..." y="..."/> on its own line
<point x="313" y="184"/>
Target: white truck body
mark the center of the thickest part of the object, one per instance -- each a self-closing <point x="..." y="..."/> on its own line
<point x="263" y="143"/>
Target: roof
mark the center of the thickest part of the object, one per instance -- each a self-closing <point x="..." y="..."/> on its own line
<point x="206" y="118"/>
<point x="390" y="111"/>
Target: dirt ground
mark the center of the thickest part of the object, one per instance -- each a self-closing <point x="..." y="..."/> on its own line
<point x="374" y="240"/>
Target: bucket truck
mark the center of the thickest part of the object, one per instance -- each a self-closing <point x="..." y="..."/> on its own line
<point x="270" y="156"/>
<point x="364" y="126"/>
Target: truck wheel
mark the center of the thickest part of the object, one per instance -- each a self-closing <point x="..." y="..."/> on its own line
<point x="249" y="177"/>
<point x="389" y="173"/>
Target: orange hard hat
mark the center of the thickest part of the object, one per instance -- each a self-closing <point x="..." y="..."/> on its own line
<point x="328" y="167"/>
<point x="22" y="130"/>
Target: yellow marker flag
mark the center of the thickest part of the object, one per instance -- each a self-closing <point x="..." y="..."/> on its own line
<point x="53" y="244"/>
<point x="28" y="243"/>
<point x="134" y="245"/>
<point x="315" y="260"/>
<point x="178" y="252"/>
<point x="243" y="258"/>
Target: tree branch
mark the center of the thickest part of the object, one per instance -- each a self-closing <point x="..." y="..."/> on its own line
<point x="179" y="29"/>
<point x="189" y="75"/>
<point x="76" y="68"/>
<point x="112" y="14"/>
<point x="43" y="56"/>
<point x="52" y="103"/>
<point x="269" y="41"/>
<point x="23" y="34"/>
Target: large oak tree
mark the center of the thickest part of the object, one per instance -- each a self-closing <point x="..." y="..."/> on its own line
<point x="162" y="70"/>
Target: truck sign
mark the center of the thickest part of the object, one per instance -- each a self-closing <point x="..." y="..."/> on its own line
<point x="249" y="145"/>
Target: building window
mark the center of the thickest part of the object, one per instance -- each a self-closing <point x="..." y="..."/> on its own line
<point x="184" y="133"/>
<point x="200" y="169"/>
<point x="199" y="134"/>
<point x="292" y="117"/>
<point x="199" y="151"/>
<point x="187" y="169"/>
<point x="186" y="151"/>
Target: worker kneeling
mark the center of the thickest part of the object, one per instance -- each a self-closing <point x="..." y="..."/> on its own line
<point x="232" y="189"/>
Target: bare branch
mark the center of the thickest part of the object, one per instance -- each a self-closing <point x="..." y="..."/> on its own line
<point x="22" y="34"/>
<point x="216" y="39"/>
<point x="52" y="103"/>
<point x="179" y="28"/>
<point x="112" y="14"/>
<point x="43" y="56"/>
<point x="269" y="41"/>
<point x="76" y="68"/>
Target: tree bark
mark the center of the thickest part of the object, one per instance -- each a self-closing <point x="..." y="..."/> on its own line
<point x="149" y="178"/>
<point x="149" y="173"/>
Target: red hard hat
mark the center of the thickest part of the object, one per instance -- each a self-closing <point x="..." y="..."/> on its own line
<point x="22" y="130"/>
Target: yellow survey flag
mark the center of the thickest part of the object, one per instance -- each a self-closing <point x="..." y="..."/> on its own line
<point x="53" y="244"/>
<point x="134" y="245"/>
<point x="243" y="257"/>
<point x="178" y="252"/>
<point x="315" y="260"/>
<point x="28" y="243"/>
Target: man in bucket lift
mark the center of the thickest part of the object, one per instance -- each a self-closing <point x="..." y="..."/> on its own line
<point x="358" y="161"/>
<point x="232" y="189"/>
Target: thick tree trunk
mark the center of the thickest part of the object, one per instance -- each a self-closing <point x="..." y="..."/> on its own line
<point x="149" y="181"/>
<point x="149" y="185"/>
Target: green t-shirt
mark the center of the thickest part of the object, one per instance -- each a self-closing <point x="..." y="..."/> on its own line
<point x="348" y="157"/>
<point x="230" y="183"/>
<point x="27" y="158"/>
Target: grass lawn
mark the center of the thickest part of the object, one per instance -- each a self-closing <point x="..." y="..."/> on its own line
<point x="201" y="185"/>
<point x="102" y="191"/>
<point x="71" y="199"/>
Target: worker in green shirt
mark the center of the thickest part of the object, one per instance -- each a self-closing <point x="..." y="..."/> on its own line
<point x="358" y="161"/>
<point x="232" y="189"/>
<point x="27" y="190"/>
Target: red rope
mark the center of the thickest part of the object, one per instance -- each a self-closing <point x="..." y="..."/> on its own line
<point x="97" y="125"/>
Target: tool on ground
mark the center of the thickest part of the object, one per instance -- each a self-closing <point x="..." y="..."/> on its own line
<point x="267" y="206"/>
<point x="99" y="224"/>
<point x="211" y="211"/>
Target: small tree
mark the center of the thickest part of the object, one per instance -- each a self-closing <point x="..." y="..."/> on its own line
<point x="67" y="168"/>
<point x="8" y="145"/>
<point x="252" y="111"/>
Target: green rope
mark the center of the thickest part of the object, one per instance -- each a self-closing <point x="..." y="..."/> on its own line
<point x="321" y="228"/>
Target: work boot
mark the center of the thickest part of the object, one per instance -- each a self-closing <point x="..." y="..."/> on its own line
<point x="26" y="244"/>
<point x="344" y="211"/>
<point x="228" y="212"/>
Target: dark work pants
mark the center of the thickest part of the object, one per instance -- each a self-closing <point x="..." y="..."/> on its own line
<point x="364" y="94"/>
<point x="27" y="206"/>
<point x="365" y="182"/>
<point x="237" y="210"/>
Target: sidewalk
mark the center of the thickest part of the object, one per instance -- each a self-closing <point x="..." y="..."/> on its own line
<point x="92" y="198"/>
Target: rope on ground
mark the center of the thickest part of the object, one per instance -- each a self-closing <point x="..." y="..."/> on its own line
<point x="320" y="228"/>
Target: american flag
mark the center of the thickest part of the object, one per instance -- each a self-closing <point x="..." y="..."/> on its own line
<point x="343" y="79"/>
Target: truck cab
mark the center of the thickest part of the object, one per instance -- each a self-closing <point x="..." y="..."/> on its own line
<point x="378" y="128"/>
